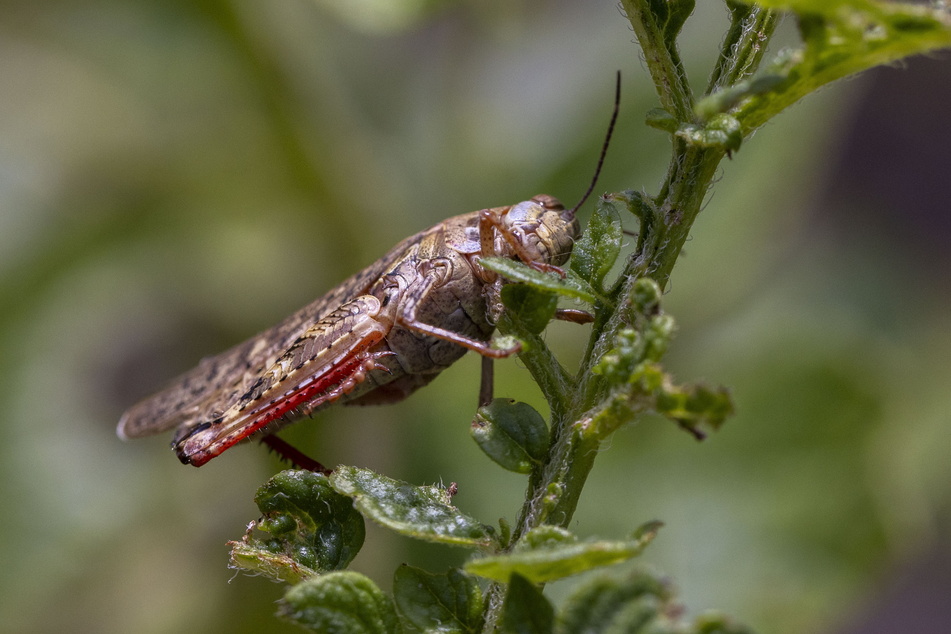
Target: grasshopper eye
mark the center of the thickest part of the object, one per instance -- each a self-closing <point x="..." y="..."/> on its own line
<point x="519" y="213"/>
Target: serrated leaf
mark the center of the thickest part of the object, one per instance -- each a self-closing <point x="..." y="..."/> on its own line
<point x="512" y="434"/>
<point x="421" y="512"/>
<point x="640" y="603"/>
<point x="560" y="560"/>
<point x="531" y="308"/>
<point x="306" y="528"/>
<point x="449" y="603"/>
<point x="841" y="38"/>
<point x="518" y="272"/>
<point x="598" y="248"/>
<point x="340" y="603"/>
<point x="608" y="605"/>
<point x="526" y="610"/>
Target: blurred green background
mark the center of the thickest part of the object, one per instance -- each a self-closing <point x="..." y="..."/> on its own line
<point x="176" y="176"/>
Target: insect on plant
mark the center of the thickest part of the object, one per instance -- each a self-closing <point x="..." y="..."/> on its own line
<point x="376" y="338"/>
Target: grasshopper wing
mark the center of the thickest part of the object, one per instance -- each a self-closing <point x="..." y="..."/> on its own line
<point x="218" y="382"/>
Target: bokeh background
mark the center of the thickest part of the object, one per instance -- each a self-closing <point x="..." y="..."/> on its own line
<point x="176" y="176"/>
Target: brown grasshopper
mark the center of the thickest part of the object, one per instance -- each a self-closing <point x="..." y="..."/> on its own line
<point x="377" y="337"/>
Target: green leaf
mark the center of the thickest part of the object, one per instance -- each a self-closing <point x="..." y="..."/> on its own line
<point x="512" y="434"/>
<point x="444" y="603"/>
<point x="697" y="407"/>
<point x="646" y="295"/>
<point x="645" y="210"/>
<point x="635" y="382"/>
<point x="637" y="203"/>
<point x="598" y="248"/>
<point x="640" y="603"/>
<point x="841" y="38"/>
<point x="721" y="131"/>
<point x="715" y="623"/>
<point x="723" y="100"/>
<point x="677" y="13"/>
<point x="670" y="16"/>
<point x="662" y="120"/>
<point x="340" y="602"/>
<point x="421" y="512"/>
<point x="531" y="308"/>
<point x="609" y="605"/>
<point x="570" y="286"/>
<point x="526" y="610"/>
<point x="645" y="342"/>
<point x="274" y="566"/>
<point x="309" y="528"/>
<point x="546" y="536"/>
<point x="559" y="559"/>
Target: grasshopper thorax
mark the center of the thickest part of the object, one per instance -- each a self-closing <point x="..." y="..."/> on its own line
<point x="544" y="229"/>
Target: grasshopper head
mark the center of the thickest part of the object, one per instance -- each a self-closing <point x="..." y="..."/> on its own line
<point x="545" y="230"/>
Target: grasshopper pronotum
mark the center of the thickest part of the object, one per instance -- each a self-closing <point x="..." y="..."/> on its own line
<point x="376" y="338"/>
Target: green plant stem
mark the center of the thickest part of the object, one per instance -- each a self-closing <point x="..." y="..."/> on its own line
<point x="751" y="28"/>
<point x="575" y="443"/>
<point x="551" y="377"/>
<point x="679" y="203"/>
<point x="662" y="59"/>
<point x="555" y="491"/>
<point x="576" y="401"/>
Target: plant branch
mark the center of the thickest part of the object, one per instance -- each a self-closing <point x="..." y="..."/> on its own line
<point x="656" y="28"/>
<point x="744" y="46"/>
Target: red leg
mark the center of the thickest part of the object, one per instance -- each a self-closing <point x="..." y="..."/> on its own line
<point x="290" y="454"/>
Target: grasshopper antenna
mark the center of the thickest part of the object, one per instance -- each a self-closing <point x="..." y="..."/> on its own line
<point x="604" y="149"/>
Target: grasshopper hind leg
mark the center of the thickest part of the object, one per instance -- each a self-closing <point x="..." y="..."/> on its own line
<point x="487" y="384"/>
<point x="293" y="456"/>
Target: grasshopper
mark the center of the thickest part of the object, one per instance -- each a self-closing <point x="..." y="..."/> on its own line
<point x="377" y="337"/>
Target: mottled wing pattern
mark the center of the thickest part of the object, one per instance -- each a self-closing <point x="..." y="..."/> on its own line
<point x="219" y="381"/>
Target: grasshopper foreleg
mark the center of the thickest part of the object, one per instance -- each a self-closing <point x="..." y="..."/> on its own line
<point x="490" y="224"/>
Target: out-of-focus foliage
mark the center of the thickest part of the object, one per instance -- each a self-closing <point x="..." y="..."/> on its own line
<point x="176" y="176"/>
